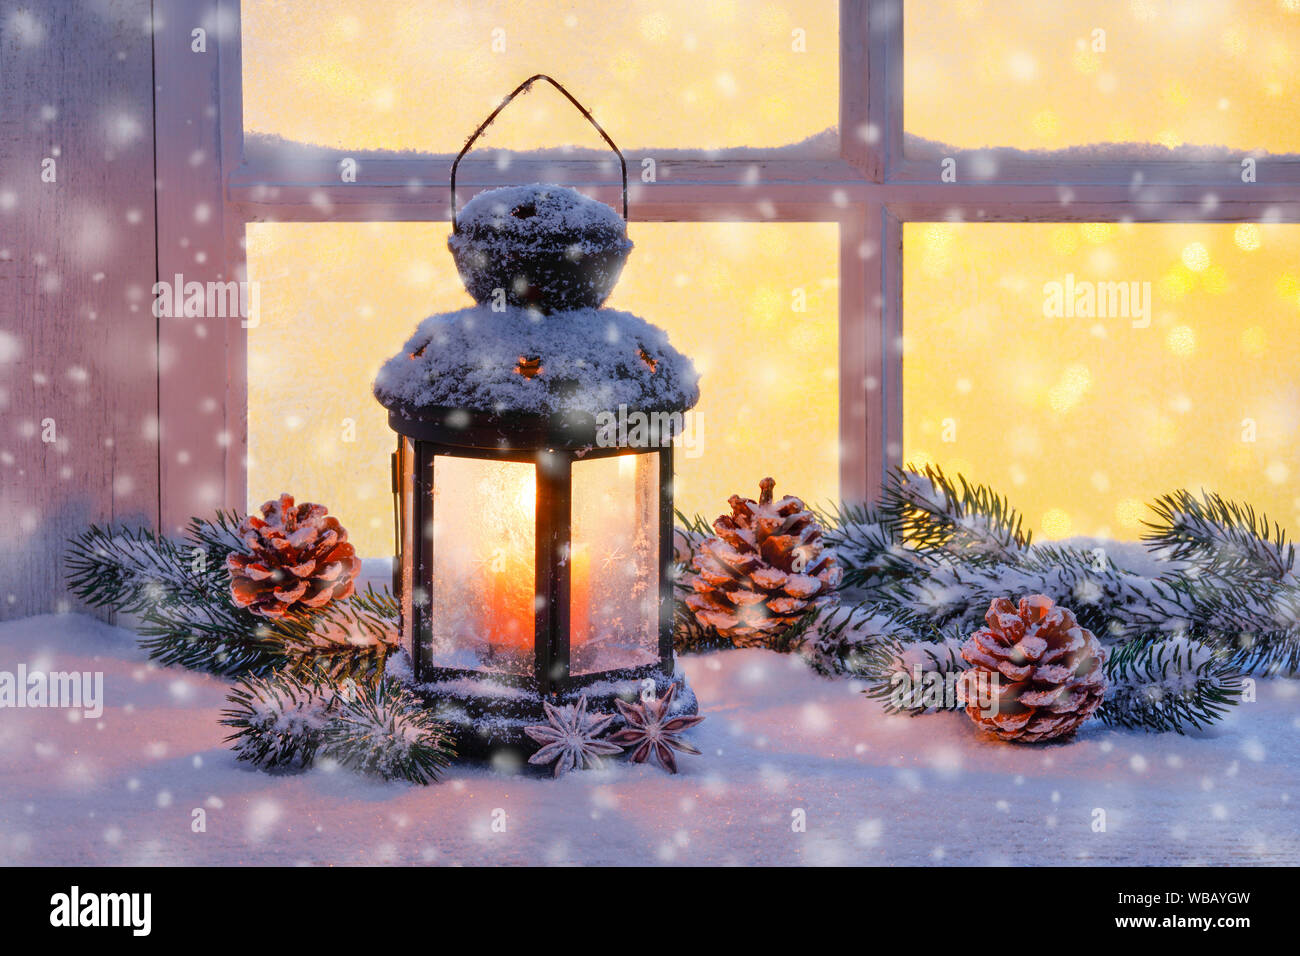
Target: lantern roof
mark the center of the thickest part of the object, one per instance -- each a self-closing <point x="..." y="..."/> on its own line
<point x="519" y="361"/>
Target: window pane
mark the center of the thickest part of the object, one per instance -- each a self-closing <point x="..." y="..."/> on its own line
<point x="614" y="571"/>
<point x="1145" y="74"/>
<point x="337" y="299"/>
<point x="421" y="75"/>
<point x="1085" y="369"/>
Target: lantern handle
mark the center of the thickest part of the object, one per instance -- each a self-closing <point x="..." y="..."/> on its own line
<point x="523" y="88"/>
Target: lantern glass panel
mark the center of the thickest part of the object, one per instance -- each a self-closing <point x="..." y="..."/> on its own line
<point x="614" y="571"/>
<point x="484" y="561"/>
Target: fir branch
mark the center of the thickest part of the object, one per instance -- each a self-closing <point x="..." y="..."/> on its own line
<point x="931" y="513"/>
<point x="385" y="730"/>
<point x="1232" y="575"/>
<point x="898" y="673"/>
<point x="884" y="648"/>
<point x="179" y="592"/>
<point x="374" y="726"/>
<point x="279" y="721"/>
<point x="217" y="537"/>
<point x="351" y="638"/>
<point x="866" y="546"/>
<point x="844" y="640"/>
<point x="1222" y="537"/>
<point x="1233" y="611"/>
<point x="1163" y="684"/>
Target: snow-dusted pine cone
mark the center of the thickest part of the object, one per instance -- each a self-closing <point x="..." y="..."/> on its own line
<point x="297" y="557"/>
<point x="765" y="569"/>
<point x="1035" y="673"/>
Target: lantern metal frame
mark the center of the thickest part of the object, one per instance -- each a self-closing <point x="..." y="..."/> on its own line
<point x="551" y="446"/>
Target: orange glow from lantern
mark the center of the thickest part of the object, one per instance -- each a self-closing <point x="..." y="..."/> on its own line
<point x="579" y="595"/>
<point x="507" y="619"/>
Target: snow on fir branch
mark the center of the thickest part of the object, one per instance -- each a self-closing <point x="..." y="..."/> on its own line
<point x="923" y="565"/>
<point x="386" y="731"/>
<point x="279" y="720"/>
<point x="1234" y="572"/>
<point x="178" y="591"/>
<point x="850" y="640"/>
<point x="374" y="726"/>
<point x="868" y="546"/>
<point x="1170" y="684"/>
<point x="351" y="638"/>
<point x="1221" y="536"/>
<point x="933" y="513"/>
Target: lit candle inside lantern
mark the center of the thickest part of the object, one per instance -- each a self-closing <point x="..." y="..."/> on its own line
<point x="579" y="596"/>
<point x="507" y="620"/>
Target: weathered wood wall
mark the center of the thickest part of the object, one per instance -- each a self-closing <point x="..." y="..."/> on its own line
<point x="78" y="344"/>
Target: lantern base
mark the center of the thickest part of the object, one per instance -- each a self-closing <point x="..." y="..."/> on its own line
<point x="488" y="717"/>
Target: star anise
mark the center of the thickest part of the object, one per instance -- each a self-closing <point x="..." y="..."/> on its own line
<point x="569" y="738"/>
<point x="650" y="730"/>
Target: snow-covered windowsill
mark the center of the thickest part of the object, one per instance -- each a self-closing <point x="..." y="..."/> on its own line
<point x="779" y="743"/>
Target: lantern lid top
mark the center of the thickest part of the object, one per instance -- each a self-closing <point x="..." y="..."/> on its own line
<point x="548" y="248"/>
<point x="539" y="213"/>
<point x="518" y="361"/>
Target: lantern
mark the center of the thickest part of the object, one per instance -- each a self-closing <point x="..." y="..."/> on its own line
<point x="534" y="527"/>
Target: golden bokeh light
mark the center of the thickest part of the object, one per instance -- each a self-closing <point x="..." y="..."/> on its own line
<point x="1082" y="420"/>
<point x="1083" y="72"/>
<point x="421" y="75"/>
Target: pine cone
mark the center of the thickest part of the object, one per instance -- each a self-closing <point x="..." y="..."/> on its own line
<point x="297" y="557"/>
<point x="1035" y="673"/>
<point x="764" y="570"/>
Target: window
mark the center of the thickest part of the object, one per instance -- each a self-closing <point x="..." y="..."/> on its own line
<point x="846" y="212"/>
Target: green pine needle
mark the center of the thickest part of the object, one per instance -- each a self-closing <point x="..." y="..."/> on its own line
<point x="385" y="730"/>
<point x="375" y="727"/>
<point x="280" y="720"/>
<point x="933" y="513"/>
<point x="1169" y="684"/>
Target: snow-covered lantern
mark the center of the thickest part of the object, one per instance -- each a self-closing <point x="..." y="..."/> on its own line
<point x="533" y="472"/>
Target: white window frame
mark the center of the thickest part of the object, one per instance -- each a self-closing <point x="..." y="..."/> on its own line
<point x="870" y="190"/>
